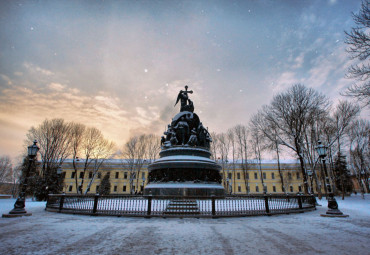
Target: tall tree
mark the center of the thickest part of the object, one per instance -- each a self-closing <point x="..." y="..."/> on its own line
<point x="54" y="140"/>
<point x="133" y="155"/>
<point x="342" y="178"/>
<point x="358" y="40"/>
<point x="290" y="112"/>
<point x="105" y="185"/>
<point x="359" y="143"/>
<point x="77" y="135"/>
<point x="270" y="132"/>
<point x="224" y="148"/>
<point x="96" y="150"/>
<point x="232" y="139"/>
<point x="241" y="135"/>
<point x="257" y="145"/>
<point x="6" y="170"/>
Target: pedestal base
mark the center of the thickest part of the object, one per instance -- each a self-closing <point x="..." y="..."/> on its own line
<point x="335" y="215"/>
<point x="184" y="189"/>
<point x="8" y="215"/>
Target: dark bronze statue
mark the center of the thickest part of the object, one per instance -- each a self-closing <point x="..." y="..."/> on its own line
<point x="186" y="103"/>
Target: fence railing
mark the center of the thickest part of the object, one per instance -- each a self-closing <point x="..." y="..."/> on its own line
<point x="168" y="206"/>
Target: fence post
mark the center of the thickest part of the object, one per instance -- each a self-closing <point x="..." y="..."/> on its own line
<point x="267" y="204"/>
<point x="149" y="209"/>
<point x="96" y="198"/>
<point x="213" y="206"/>
<point x="61" y="202"/>
<point x="300" y="202"/>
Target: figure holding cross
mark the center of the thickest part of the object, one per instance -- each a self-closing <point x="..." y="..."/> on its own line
<point x="183" y="96"/>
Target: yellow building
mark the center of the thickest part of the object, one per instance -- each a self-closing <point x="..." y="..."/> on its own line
<point x="254" y="180"/>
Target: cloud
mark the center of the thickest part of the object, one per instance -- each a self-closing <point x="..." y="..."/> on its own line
<point x="6" y="79"/>
<point x="56" y="86"/>
<point x="36" y="69"/>
<point x="298" y="61"/>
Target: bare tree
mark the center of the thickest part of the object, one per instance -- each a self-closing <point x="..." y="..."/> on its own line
<point x="256" y="142"/>
<point x="54" y="139"/>
<point x="270" y="131"/>
<point x="359" y="136"/>
<point x="241" y="136"/>
<point x="96" y="150"/>
<point x="77" y="136"/>
<point x="133" y="155"/>
<point x="232" y="139"/>
<point x="6" y="170"/>
<point x="214" y="146"/>
<point x="152" y="146"/>
<point x="224" y="148"/>
<point x="358" y="40"/>
<point x="290" y="112"/>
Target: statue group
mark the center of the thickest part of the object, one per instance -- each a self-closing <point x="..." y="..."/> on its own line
<point x="186" y="128"/>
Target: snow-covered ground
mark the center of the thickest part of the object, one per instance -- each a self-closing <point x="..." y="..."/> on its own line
<point x="305" y="233"/>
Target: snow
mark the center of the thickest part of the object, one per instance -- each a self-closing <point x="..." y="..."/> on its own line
<point x="306" y="233"/>
<point x="184" y="158"/>
<point x="184" y="185"/>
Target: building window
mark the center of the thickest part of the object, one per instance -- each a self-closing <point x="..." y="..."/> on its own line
<point x="117" y="175"/>
<point x="70" y="188"/>
<point x="141" y="188"/>
<point x="299" y="188"/>
<point x="257" y="189"/>
<point x="73" y="175"/>
<point x="124" y="188"/>
<point x="125" y="175"/>
<point x="230" y="175"/>
<point x="238" y="176"/>
<point x="239" y="189"/>
<point x="99" y="175"/>
<point x="248" y="189"/>
<point x="143" y="176"/>
<point x="255" y="176"/>
<point x="97" y="188"/>
<point x="298" y="176"/>
<point x="291" y="188"/>
<point x="247" y="176"/>
<point x="80" y="188"/>
<point x="289" y="176"/>
<point x="115" y="188"/>
<point x="81" y="174"/>
<point x="265" y="189"/>
<point x="273" y="189"/>
<point x="273" y="176"/>
<point x="90" y="175"/>
<point x="264" y="175"/>
<point x="133" y="188"/>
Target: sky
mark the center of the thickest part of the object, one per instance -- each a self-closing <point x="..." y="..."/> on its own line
<point x="119" y="65"/>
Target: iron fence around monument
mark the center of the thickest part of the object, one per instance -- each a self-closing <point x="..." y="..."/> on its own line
<point x="169" y="206"/>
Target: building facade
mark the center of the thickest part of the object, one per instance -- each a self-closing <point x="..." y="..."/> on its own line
<point x="255" y="179"/>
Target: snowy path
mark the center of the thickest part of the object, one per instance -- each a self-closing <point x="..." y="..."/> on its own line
<point x="306" y="233"/>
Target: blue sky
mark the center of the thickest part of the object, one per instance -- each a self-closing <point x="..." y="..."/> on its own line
<point x="118" y="65"/>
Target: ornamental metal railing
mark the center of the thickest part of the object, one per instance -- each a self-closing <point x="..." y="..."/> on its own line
<point x="168" y="206"/>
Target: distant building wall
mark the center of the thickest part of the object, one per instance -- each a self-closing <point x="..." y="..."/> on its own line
<point x="235" y="179"/>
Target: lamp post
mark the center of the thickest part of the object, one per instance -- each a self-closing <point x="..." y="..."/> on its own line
<point x="309" y="172"/>
<point x="20" y="204"/>
<point x="333" y="210"/>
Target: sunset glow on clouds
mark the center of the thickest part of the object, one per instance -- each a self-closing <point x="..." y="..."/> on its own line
<point x="118" y="65"/>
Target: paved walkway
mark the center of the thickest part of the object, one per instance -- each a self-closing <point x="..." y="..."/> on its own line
<point x="306" y="233"/>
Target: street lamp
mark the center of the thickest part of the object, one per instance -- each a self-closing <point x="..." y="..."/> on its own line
<point x="333" y="210"/>
<point x="19" y="205"/>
